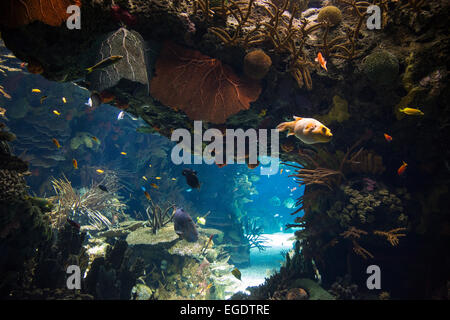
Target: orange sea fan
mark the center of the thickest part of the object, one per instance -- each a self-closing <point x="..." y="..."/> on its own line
<point x="16" y="13"/>
<point x="201" y="86"/>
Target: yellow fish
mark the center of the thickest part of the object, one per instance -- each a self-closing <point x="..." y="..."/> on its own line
<point x="201" y="220"/>
<point x="149" y="165"/>
<point x="158" y="178"/>
<point x="174" y="179"/>
<point x="411" y="112"/>
<point x="2" y="112"/>
<point x="308" y="130"/>
<point x="104" y="63"/>
<point x="100" y="171"/>
<point x="123" y="153"/>
<point x="154" y="185"/>
<point x="36" y="90"/>
<point x="57" y="112"/>
<point x="262" y="113"/>
<point x="64" y="100"/>
<point x="145" y="178"/>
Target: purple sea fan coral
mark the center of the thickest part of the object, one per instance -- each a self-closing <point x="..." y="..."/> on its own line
<point x="369" y="184"/>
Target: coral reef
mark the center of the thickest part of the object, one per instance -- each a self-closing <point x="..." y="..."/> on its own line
<point x="20" y="215"/>
<point x="406" y="58"/>
<point x="180" y="269"/>
<point x="114" y="276"/>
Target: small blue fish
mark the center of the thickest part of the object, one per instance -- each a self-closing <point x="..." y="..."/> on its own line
<point x="143" y="188"/>
<point x="188" y="190"/>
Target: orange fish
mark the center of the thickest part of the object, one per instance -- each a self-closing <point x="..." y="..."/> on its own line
<point x="94" y="138"/>
<point x="281" y="171"/>
<point x="147" y="195"/>
<point x="56" y="142"/>
<point x="387" y="137"/>
<point x="154" y="185"/>
<point x="75" y="163"/>
<point x="402" y="168"/>
<point x="321" y="60"/>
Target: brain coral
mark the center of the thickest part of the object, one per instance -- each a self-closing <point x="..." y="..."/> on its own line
<point x="256" y="64"/>
<point x="331" y="14"/>
<point x="381" y="67"/>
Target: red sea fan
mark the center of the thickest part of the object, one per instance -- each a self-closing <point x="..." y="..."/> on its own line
<point x="201" y="86"/>
<point x="16" y="13"/>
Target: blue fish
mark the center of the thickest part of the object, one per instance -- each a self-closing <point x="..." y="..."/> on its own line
<point x="143" y="188"/>
<point x="184" y="226"/>
<point x="188" y="190"/>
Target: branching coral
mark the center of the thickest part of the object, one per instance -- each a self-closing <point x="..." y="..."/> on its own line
<point x="391" y="235"/>
<point x="253" y="233"/>
<point x="311" y="173"/>
<point x="345" y="47"/>
<point x="352" y="232"/>
<point x="242" y="16"/>
<point x="158" y="217"/>
<point x="416" y="5"/>
<point x="201" y="86"/>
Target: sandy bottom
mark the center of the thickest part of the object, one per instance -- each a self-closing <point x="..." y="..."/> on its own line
<point x="264" y="263"/>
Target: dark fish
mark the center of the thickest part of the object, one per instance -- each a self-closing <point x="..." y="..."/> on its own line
<point x="104" y="63"/>
<point x="191" y="178"/>
<point x="95" y="100"/>
<point x="74" y="224"/>
<point x="236" y="273"/>
<point x="185" y="226"/>
<point x="102" y="187"/>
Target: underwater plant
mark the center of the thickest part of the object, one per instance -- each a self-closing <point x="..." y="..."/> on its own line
<point x="253" y="233"/>
<point x="89" y="206"/>
<point x="158" y="217"/>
